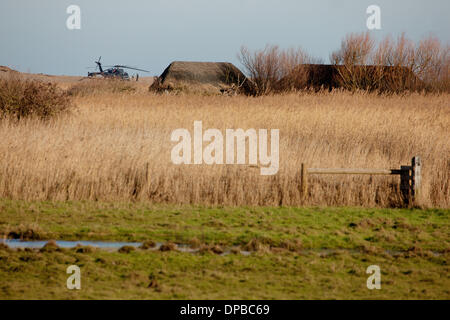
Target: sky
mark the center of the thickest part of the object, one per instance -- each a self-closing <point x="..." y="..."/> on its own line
<point x="150" y="34"/>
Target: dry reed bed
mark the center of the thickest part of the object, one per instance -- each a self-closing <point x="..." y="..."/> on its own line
<point x="117" y="147"/>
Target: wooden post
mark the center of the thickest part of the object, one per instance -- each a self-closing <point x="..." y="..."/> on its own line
<point x="410" y="178"/>
<point x="304" y="181"/>
<point x="416" y="177"/>
<point x="405" y="184"/>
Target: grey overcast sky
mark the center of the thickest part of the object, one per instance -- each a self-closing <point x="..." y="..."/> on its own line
<point x="151" y="33"/>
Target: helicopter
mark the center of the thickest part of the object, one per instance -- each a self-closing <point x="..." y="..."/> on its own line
<point x="115" y="71"/>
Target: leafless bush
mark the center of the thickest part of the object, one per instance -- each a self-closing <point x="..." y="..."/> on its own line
<point x="29" y="98"/>
<point x="392" y="66"/>
<point x="356" y="49"/>
<point x="352" y="62"/>
<point x="273" y="69"/>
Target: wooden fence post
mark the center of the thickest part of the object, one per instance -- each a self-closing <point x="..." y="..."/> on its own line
<point x="304" y="181"/>
<point x="405" y="183"/>
<point x="416" y="177"/>
<point x="410" y="178"/>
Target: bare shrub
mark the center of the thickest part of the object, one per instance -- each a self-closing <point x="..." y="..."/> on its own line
<point x="353" y="63"/>
<point x="31" y="99"/>
<point x="391" y="66"/>
<point x="432" y="64"/>
<point x="158" y="87"/>
<point x="273" y="69"/>
<point x="356" y="49"/>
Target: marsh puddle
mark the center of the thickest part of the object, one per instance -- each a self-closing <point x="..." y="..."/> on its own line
<point x="106" y="245"/>
<point x="16" y="244"/>
<point x="116" y="245"/>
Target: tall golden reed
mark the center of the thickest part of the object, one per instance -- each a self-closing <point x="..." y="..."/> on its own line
<point x="116" y="146"/>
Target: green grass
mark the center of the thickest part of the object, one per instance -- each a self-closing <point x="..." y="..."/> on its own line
<point x="289" y="263"/>
<point x="396" y="229"/>
<point x="176" y="275"/>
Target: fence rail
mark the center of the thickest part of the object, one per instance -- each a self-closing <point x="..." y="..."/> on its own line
<point x="410" y="177"/>
<point x="348" y="171"/>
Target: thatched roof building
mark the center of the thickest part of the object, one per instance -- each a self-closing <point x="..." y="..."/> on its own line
<point x="203" y="77"/>
<point x="317" y="76"/>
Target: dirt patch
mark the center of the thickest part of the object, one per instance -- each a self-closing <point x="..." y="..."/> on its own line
<point x="127" y="249"/>
<point x="168" y="246"/>
<point x="154" y="283"/>
<point x="50" y="246"/>
<point x="291" y="245"/>
<point x="26" y="232"/>
<point x="84" y="249"/>
<point x="259" y="244"/>
<point x="149" y="244"/>
<point x="415" y="251"/>
<point x="402" y="224"/>
<point x="372" y="250"/>
<point x="194" y="243"/>
<point x="216" y="249"/>
<point x="368" y="223"/>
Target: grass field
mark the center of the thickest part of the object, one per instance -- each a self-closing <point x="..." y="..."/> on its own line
<point x="295" y="253"/>
<point x="302" y="228"/>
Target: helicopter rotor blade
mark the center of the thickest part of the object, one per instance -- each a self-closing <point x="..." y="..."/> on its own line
<point x="98" y="64"/>
<point x="127" y="67"/>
